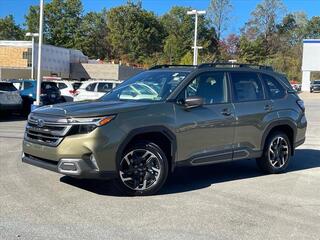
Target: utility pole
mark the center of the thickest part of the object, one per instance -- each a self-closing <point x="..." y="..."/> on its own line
<point x="39" y="55"/>
<point x="195" y="47"/>
<point x="32" y="35"/>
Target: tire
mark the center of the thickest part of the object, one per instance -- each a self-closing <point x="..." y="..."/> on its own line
<point x="142" y="170"/>
<point x="278" y="161"/>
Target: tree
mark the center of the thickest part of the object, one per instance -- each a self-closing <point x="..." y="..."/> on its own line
<point x="179" y="29"/>
<point x="9" y="30"/>
<point x="219" y="14"/>
<point x="264" y="19"/>
<point x="93" y="35"/>
<point x="62" y="19"/>
<point x="313" y="28"/>
<point x="134" y="33"/>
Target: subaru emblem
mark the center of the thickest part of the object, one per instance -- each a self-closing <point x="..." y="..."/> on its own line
<point x="40" y="123"/>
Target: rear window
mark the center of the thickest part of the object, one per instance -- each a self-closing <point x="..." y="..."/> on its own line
<point x="104" y="87"/>
<point x="49" y="85"/>
<point x="8" y="87"/>
<point x="62" y="85"/>
<point x="274" y="88"/>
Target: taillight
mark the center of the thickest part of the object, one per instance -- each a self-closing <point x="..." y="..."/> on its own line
<point x="75" y="93"/>
<point x="301" y="105"/>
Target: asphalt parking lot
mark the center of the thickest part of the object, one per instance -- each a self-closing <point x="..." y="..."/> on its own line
<point x="224" y="201"/>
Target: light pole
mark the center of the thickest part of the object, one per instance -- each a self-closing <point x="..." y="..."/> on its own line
<point x="32" y="35"/>
<point x="195" y="47"/>
<point x="39" y="55"/>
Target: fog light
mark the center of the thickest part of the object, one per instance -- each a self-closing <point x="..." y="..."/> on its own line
<point x="68" y="166"/>
<point x="94" y="161"/>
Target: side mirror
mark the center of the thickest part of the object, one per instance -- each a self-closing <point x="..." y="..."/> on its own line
<point x="193" y="102"/>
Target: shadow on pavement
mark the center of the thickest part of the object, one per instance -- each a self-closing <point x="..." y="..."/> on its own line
<point x="194" y="178"/>
<point x="12" y="117"/>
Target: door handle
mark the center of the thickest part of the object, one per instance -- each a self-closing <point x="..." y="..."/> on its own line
<point x="226" y="112"/>
<point x="268" y="107"/>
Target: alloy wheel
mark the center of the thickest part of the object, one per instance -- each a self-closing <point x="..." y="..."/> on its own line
<point x="278" y="152"/>
<point x="140" y="169"/>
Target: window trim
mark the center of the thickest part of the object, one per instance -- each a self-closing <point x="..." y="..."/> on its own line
<point x="233" y="90"/>
<point x="204" y="72"/>
<point x="266" y="87"/>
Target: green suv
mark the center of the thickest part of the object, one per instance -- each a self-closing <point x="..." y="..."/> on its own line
<point x="167" y="117"/>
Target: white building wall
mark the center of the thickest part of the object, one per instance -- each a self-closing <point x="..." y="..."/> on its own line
<point x="310" y="61"/>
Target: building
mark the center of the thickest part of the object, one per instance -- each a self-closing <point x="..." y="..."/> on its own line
<point x="16" y="60"/>
<point x="16" y="63"/>
<point x="310" y="61"/>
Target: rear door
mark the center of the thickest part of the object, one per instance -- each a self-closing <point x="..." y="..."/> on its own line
<point x="205" y="134"/>
<point x="253" y="111"/>
<point x="89" y="92"/>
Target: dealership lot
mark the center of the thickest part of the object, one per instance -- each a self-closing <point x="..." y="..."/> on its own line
<point x="224" y="201"/>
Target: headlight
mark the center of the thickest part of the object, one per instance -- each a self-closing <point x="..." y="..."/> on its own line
<point x="87" y="125"/>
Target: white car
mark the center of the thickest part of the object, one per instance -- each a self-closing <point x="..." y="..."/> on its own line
<point x="92" y="90"/>
<point x="66" y="89"/>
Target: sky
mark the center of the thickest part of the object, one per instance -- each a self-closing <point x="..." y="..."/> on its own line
<point x="240" y="14"/>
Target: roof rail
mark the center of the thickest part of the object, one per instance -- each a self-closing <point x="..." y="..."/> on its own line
<point x="169" y="66"/>
<point x="234" y="65"/>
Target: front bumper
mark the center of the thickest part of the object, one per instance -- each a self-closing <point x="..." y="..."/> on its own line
<point x="80" y="168"/>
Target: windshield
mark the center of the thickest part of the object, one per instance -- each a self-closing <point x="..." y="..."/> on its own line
<point x="149" y="85"/>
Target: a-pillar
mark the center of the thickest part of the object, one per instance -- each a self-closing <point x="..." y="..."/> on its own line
<point x="306" y="76"/>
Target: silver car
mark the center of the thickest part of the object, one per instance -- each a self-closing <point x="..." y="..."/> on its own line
<point x="10" y="99"/>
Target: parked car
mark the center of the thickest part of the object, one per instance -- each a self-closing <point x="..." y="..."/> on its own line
<point x="66" y="89"/>
<point x="10" y="99"/>
<point x="50" y="93"/>
<point x="315" y="86"/>
<point x="193" y="116"/>
<point x="94" y="89"/>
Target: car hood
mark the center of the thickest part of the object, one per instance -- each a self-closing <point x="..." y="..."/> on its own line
<point x="90" y="108"/>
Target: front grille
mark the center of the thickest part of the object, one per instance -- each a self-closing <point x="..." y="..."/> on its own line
<point x="45" y="132"/>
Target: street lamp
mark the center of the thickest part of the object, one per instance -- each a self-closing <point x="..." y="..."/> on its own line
<point x="32" y="35"/>
<point x="39" y="54"/>
<point x="195" y="47"/>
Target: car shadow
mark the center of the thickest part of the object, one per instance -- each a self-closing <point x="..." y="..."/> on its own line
<point x="194" y="178"/>
<point x="5" y="117"/>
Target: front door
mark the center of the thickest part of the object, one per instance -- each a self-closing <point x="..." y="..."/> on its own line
<point x="205" y="134"/>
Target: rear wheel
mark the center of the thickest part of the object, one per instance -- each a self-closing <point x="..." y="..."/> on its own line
<point x="143" y="169"/>
<point x="276" y="155"/>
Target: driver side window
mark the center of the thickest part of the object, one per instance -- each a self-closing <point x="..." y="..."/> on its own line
<point x="211" y="86"/>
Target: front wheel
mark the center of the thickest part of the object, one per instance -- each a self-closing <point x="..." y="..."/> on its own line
<point x="276" y="155"/>
<point x="142" y="170"/>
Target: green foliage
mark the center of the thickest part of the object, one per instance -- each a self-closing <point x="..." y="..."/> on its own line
<point x="134" y="33"/>
<point x="9" y="30"/>
<point x="187" y="59"/>
<point x="93" y="32"/>
<point x="179" y="29"/>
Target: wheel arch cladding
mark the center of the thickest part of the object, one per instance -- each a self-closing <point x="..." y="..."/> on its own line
<point x="286" y="126"/>
<point x="160" y="135"/>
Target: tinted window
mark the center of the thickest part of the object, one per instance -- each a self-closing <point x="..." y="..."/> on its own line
<point x="91" y="87"/>
<point x="49" y="85"/>
<point x="274" y="88"/>
<point x="27" y="85"/>
<point x="316" y="82"/>
<point x="246" y="86"/>
<point x="104" y="87"/>
<point x="211" y="86"/>
<point x="62" y="85"/>
<point x="7" y="87"/>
